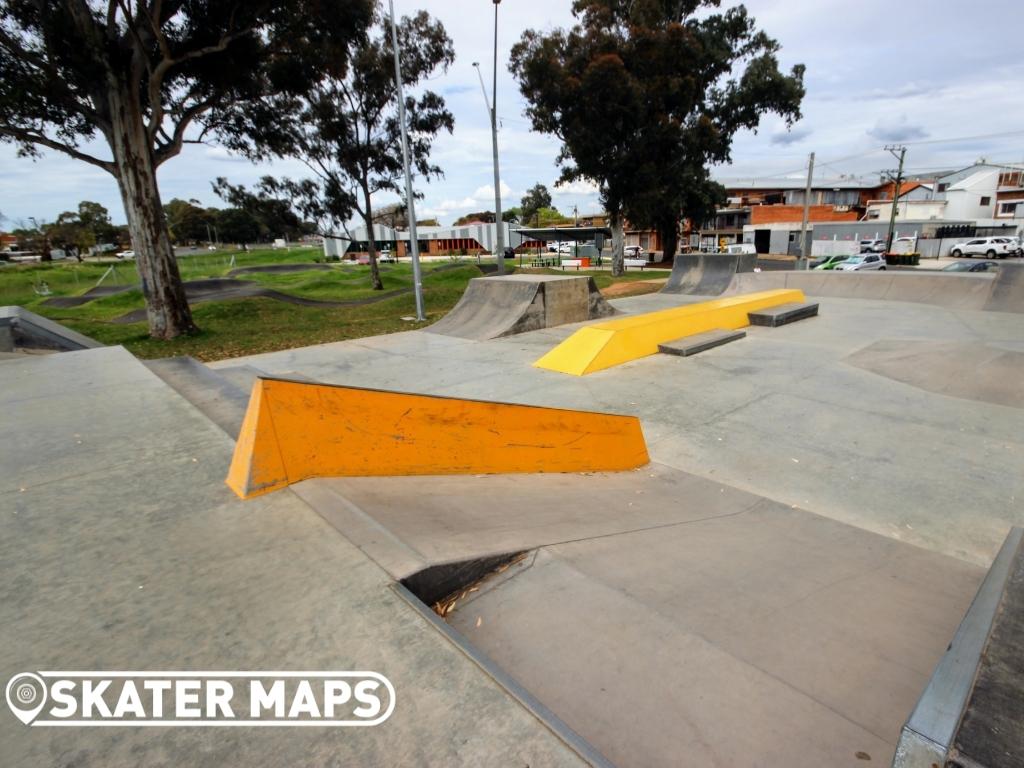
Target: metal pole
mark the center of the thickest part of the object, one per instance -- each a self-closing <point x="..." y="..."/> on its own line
<point x="895" y="195"/>
<point x="414" y="245"/>
<point x="498" y="225"/>
<point x="807" y="208"/>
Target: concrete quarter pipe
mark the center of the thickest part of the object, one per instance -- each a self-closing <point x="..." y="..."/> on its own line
<point x="706" y="274"/>
<point x="503" y="306"/>
<point x="1002" y="292"/>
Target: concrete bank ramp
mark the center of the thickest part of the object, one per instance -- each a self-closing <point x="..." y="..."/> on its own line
<point x="965" y="369"/>
<point x="1001" y="292"/>
<point x="493" y="307"/>
<point x="707" y="274"/>
<point x="1007" y="289"/>
<point x="22" y="330"/>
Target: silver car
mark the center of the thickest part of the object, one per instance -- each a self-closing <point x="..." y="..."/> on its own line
<point x="863" y="262"/>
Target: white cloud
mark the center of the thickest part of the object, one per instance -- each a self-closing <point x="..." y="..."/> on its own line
<point x="841" y="107"/>
<point x="578" y="187"/>
<point x="220" y="153"/>
<point x="898" y="129"/>
<point x="486" y="193"/>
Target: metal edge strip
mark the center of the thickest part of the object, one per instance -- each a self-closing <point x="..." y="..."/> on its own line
<point x="555" y="724"/>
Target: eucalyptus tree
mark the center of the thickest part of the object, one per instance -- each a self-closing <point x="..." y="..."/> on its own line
<point x="124" y="84"/>
<point x="642" y="93"/>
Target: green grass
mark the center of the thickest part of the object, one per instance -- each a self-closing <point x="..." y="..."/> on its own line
<point x="254" y="325"/>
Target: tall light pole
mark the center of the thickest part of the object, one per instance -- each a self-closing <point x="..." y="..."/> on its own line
<point x="410" y="207"/>
<point x="499" y="230"/>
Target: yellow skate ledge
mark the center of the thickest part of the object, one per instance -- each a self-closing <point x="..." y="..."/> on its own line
<point x="294" y="431"/>
<point x="614" y="342"/>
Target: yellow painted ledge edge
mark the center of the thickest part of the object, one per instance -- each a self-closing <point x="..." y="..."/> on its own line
<point x="614" y="342"/>
<point x="295" y="431"/>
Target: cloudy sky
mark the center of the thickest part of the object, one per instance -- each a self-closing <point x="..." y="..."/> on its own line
<point x="918" y="72"/>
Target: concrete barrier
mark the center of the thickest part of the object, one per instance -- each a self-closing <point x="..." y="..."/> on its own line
<point x="614" y="342"/>
<point x="297" y="430"/>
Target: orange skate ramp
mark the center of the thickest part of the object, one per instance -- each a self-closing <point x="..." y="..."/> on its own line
<point x="297" y="430"/>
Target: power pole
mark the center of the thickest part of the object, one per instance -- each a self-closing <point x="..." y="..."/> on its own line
<point x="892" y="149"/>
<point x="807" y="208"/>
<point x="414" y="243"/>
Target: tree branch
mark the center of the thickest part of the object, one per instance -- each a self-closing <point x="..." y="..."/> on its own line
<point x="31" y="137"/>
<point x="167" y="151"/>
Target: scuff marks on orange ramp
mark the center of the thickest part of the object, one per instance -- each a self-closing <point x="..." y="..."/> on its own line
<point x="296" y="430"/>
<point x="613" y="342"/>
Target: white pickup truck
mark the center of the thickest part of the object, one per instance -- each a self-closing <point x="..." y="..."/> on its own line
<point x="989" y="247"/>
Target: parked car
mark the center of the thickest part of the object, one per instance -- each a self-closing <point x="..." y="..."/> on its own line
<point x="831" y="262"/>
<point x="566" y="248"/>
<point x="971" y="266"/>
<point x="634" y="251"/>
<point x="386" y="257"/>
<point x="740" y="248"/>
<point x="863" y="262"/>
<point x="125" y="254"/>
<point x="872" y="246"/>
<point x="990" y="247"/>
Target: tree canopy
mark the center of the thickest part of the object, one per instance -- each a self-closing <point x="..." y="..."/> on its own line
<point x="149" y="76"/>
<point x="536" y="197"/>
<point x="644" y="94"/>
<point x="349" y="134"/>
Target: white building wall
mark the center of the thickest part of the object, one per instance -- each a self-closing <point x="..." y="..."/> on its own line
<point x="915" y="210"/>
<point x="966" y="199"/>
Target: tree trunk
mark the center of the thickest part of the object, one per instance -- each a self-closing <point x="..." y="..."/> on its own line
<point x="371" y="246"/>
<point x="166" y="305"/>
<point x="668" y="234"/>
<point x="618" y="242"/>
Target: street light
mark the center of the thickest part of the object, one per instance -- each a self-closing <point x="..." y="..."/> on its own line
<point x="493" y="109"/>
<point x="414" y="245"/>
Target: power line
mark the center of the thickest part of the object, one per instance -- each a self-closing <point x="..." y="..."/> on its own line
<point x="966" y="138"/>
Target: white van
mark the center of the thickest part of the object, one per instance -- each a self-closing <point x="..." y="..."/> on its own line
<point x="741" y="248"/>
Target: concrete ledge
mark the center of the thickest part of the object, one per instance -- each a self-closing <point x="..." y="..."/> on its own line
<point x="699" y="342"/>
<point x="28" y="330"/>
<point x="783" y="314"/>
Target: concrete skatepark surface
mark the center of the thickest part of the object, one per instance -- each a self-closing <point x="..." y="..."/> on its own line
<point x="101" y="574"/>
<point x="774" y="589"/>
